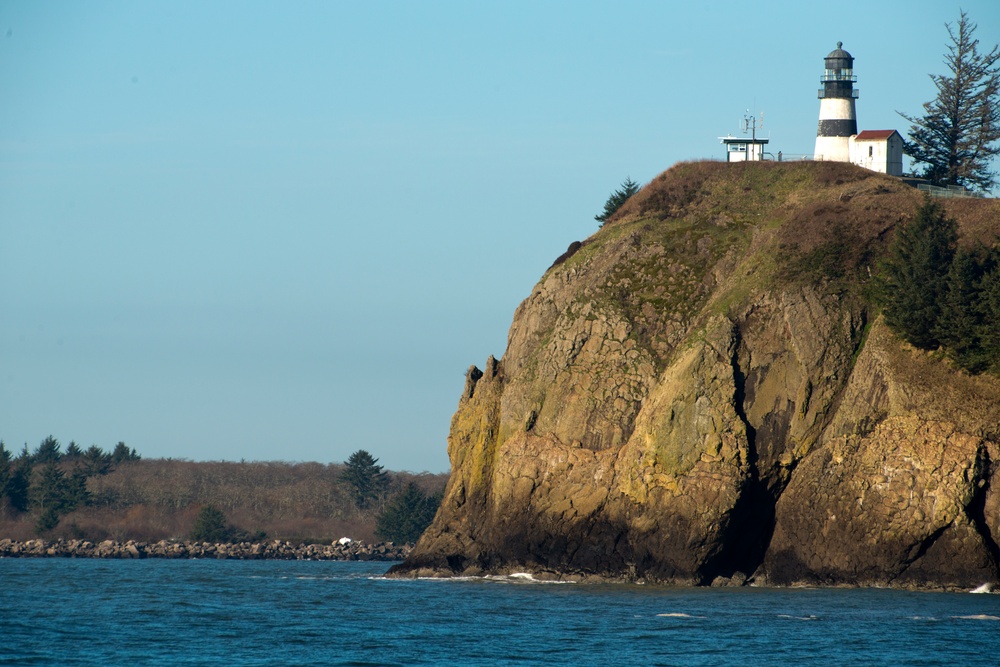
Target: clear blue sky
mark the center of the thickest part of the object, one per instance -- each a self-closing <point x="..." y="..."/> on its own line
<point x="283" y="231"/>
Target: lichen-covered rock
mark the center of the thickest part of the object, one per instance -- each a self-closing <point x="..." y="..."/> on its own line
<point x="698" y="394"/>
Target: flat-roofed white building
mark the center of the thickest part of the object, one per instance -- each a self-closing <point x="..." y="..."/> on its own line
<point x="744" y="149"/>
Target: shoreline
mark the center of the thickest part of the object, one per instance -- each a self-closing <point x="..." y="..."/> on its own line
<point x="182" y="549"/>
<point x="400" y="571"/>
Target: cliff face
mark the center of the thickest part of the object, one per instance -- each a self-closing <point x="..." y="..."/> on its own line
<point x="700" y="393"/>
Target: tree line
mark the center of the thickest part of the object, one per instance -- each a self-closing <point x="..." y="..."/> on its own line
<point x="939" y="296"/>
<point x="96" y="494"/>
<point x="402" y="513"/>
<point x="52" y="482"/>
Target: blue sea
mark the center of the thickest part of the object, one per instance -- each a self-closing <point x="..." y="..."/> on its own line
<point x="208" y="612"/>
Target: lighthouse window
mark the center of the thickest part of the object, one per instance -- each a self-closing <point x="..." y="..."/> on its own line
<point x="838" y="75"/>
<point x="870" y="148"/>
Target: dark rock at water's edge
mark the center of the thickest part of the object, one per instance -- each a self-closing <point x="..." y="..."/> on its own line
<point x="269" y="550"/>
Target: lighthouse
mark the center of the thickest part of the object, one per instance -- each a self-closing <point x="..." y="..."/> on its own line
<point x="838" y="120"/>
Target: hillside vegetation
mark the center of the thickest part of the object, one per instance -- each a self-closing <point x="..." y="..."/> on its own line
<point x="155" y="499"/>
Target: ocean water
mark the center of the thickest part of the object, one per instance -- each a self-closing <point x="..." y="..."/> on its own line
<point x="202" y="612"/>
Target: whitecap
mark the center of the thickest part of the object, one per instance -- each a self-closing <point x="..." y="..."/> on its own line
<point x="985" y="588"/>
<point x="810" y="617"/>
<point x="677" y="614"/>
<point x="522" y="578"/>
<point x="978" y="617"/>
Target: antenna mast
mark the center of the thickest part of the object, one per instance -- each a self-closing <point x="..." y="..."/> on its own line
<point x="752" y="123"/>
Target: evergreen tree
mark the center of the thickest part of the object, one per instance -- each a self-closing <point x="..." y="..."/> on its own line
<point x="990" y="325"/>
<point x="49" y="495"/>
<point x="407" y="515"/>
<point x="16" y="486"/>
<point x="367" y="480"/>
<point x="956" y="138"/>
<point x="95" y="462"/>
<point x="73" y="452"/>
<point x="48" y="450"/>
<point x="617" y="199"/>
<point x="48" y="489"/>
<point x="210" y="526"/>
<point x="122" y="454"/>
<point x="914" y="272"/>
<point x="47" y="520"/>
<point x="960" y="321"/>
<point x="76" y="493"/>
<point x="6" y="474"/>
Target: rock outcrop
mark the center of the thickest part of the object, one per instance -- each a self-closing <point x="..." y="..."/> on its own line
<point x="701" y="393"/>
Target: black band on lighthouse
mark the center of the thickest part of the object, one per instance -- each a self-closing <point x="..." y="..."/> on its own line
<point x="839" y="127"/>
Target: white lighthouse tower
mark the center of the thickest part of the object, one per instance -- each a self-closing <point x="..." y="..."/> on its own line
<point x="838" y="119"/>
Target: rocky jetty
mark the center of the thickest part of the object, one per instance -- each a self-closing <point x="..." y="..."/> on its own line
<point x="270" y="550"/>
<point x="703" y="393"/>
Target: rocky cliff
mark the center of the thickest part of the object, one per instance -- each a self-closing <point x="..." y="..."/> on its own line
<point x="702" y="393"/>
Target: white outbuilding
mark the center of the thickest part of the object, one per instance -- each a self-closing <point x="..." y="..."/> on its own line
<point x="878" y="150"/>
<point x="744" y="149"/>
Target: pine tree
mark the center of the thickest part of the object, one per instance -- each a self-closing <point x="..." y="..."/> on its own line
<point x="48" y="450"/>
<point x="95" y="462"/>
<point x="122" y="454"/>
<point x="49" y="495"/>
<point x="990" y="326"/>
<point x="960" y="320"/>
<point x="6" y="474"/>
<point x="17" y="484"/>
<point x="210" y="526"/>
<point x="76" y="493"/>
<point x="366" y="478"/>
<point x="48" y="489"/>
<point x="73" y="452"/>
<point x="617" y="199"/>
<point x="956" y="138"/>
<point x="407" y="515"/>
<point x="914" y="272"/>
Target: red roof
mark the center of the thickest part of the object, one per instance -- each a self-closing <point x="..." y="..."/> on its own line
<point x="873" y="135"/>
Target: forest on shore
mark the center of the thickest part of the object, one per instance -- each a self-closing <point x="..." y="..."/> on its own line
<point x="93" y="494"/>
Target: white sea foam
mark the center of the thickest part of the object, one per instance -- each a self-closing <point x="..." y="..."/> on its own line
<point x="978" y="617"/>
<point x="522" y="578"/>
<point x="677" y="614"/>
<point x="985" y="588"/>
<point x="810" y="617"/>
